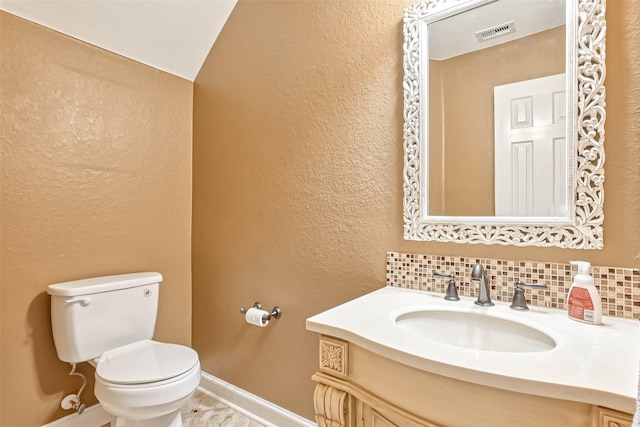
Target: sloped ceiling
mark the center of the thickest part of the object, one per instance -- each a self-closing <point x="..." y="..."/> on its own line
<point x="172" y="35"/>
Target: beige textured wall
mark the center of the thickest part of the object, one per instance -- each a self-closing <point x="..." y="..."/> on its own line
<point x="297" y="125"/>
<point x="298" y="178"/>
<point x="96" y="180"/>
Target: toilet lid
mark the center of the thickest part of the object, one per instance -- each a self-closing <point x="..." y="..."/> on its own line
<point x="144" y="362"/>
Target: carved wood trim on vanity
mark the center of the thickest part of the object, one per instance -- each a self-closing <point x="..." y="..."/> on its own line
<point x="605" y="417"/>
<point x="358" y="388"/>
<point x="334" y="356"/>
<point x="380" y="408"/>
<point x="339" y="403"/>
<point x="332" y="406"/>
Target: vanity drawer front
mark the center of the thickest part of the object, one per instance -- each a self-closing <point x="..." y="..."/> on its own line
<point x="371" y="418"/>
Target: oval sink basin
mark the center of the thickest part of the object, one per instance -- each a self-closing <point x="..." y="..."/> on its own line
<point x="475" y="331"/>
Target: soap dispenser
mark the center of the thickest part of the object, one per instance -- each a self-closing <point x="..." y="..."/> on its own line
<point x="584" y="302"/>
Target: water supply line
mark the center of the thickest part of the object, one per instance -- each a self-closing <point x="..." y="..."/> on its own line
<point x="72" y="401"/>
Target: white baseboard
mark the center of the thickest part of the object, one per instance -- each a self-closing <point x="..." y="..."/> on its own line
<point x="92" y="416"/>
<point x="248" y="404"/>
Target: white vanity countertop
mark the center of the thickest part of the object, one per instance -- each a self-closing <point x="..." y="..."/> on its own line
<point x="596" y="364"/>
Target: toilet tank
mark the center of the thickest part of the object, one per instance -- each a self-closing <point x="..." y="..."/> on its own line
<point x="91" y="316"/>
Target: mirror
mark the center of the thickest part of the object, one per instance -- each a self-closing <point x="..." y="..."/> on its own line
<point x="504" y="115"/>
<point x="470" y="153"/>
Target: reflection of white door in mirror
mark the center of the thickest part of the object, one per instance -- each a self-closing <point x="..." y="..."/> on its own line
<point x="530" y="148"/>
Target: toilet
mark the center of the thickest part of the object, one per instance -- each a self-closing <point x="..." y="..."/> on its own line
<point x="109" y="322"/>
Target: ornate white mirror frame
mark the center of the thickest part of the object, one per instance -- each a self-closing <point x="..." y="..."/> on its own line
<point x="582" y="229"/>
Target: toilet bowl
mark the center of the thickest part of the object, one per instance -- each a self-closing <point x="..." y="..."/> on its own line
<point x="109" y="322"/>
<point x="146" y="383"/>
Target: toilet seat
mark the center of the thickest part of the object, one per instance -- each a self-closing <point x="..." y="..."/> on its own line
<point x="145" y="362"/>
<point x="147" y="401"/>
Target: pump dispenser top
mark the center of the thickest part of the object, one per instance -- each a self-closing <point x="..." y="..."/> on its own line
<point x="583" y="272"/>
<point x="584" y="302"/>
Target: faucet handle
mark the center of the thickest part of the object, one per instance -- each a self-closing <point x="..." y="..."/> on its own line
<point x="451" y="293"/>
<point x="519" y="300"/>
<point x="520" y="284"/>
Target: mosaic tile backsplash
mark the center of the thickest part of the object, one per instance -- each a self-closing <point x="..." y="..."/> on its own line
<point x="619" y="287"/>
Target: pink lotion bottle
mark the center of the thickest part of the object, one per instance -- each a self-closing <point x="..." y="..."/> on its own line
<point x="584" y="302"/>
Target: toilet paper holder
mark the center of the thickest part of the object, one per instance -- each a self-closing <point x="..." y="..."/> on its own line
<point x="276" y="312"/>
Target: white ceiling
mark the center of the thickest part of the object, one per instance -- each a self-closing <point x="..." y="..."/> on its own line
<point x="455" y="35"/>
<point x="172" y="35"/>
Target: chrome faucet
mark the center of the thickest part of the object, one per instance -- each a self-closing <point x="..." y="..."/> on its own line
<point x="484" y="295"/>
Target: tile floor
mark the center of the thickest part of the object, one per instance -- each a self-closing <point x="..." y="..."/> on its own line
<point x="204" y="411"/>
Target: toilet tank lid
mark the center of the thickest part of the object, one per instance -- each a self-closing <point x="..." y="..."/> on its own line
<point x="96" y="285"/>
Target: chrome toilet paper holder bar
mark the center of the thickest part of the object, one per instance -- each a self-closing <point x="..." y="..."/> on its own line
<point x="276" y="312"/>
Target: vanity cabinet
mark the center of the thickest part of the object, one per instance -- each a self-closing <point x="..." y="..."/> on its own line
<point x="359" y="388"/>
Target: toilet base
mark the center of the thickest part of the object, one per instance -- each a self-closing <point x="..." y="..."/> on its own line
<point x="172" y="419"/>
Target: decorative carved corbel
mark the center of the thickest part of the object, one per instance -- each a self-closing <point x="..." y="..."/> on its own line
<point x="332" y="406"/>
